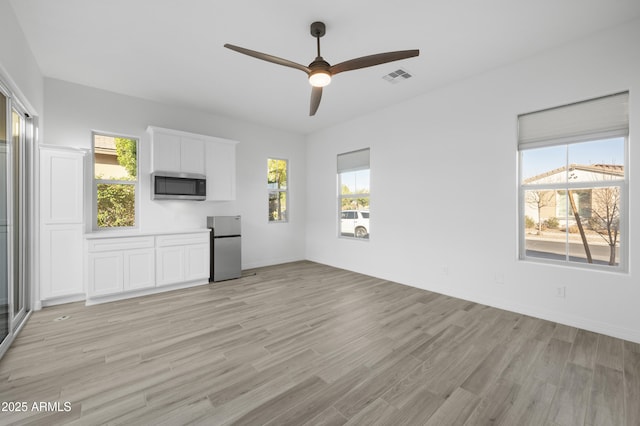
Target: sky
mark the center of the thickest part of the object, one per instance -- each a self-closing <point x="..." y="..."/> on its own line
<point x="357" y="181"/>
<point x="541" y="160"/>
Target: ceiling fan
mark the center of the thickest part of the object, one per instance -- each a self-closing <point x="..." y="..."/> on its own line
<point x="320" y="71"/>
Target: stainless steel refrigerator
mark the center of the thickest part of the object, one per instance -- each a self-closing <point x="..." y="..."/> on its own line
<point x="226" y="246"/>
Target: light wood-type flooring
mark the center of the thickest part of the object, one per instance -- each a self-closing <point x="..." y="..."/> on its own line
<point x="308" y="344"/>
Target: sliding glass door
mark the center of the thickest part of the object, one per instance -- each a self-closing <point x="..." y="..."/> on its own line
<point x="4" y="214"/>
<point x="15" y="137"/>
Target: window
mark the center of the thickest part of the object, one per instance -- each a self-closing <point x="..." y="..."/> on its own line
<point x="573" y="183"/>
<point x="115" y="182"/>
<point x="353" y="194"/>
<point x="277" y="173"/>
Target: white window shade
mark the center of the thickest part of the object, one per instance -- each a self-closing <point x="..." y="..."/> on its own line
<point x="355" y="160"/>
<point x="600" y="118"/>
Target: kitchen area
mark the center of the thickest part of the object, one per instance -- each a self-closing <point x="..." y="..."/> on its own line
<point x="232" y="155"/>
<point x="186" y="170"/>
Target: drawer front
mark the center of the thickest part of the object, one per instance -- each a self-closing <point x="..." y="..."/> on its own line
<point x="125" y="243"/>
<point x="182" y="239"/>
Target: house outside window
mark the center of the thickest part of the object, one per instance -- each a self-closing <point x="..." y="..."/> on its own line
<point x="115" y="181"/>
<point x="277" y="185"/>
<point x="573" y="184"/>
<point x="354" y="194"/>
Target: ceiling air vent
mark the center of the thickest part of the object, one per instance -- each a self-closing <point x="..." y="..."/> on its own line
<point x="397" y="76"/>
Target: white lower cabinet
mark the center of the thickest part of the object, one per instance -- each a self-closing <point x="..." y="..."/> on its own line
<point x="138" y="269"/>
<point x="117" y="265"/>
<point x="182" y="258"/>
<point x="105" y="273"/>
<point x="170" y="265"/>
<point x="197" y="259"/>
<point x="120" y="264"/>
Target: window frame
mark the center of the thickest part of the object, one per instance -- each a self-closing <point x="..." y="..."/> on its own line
<point x="278" y="191"/>
<point x="96" y="182"/>
<point x="623" y="184"/>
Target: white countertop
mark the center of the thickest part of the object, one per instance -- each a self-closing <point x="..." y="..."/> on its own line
<point x="138" y="233"/>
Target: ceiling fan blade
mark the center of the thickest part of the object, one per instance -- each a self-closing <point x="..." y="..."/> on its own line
<point x="316" y="95"/>
<point x="371" y="60"/>
<point x="268" y="58"/>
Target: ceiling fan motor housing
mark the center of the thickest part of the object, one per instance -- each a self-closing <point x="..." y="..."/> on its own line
<point x="319" y="65"/>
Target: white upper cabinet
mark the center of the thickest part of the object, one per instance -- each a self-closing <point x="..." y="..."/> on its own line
<point x="192" y="155"/>
<point x="221" y="169"/>
<point x="165" y="151"/>
<point x="178" y="151"/>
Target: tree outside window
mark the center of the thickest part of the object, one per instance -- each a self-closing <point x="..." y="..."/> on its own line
<point x="277" y="180"/>
<point x="115" y="180"/>
<point x="576" y="208"/>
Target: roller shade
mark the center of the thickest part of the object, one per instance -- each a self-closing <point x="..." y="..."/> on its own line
<point x="355" y="160"/>
<point x="600" y="118"/>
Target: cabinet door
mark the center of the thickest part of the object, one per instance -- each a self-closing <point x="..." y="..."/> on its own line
<point x="139" y="271"/>
<point x="192" y="155"/>
<point x="221" y="171"/>
<point x="197" y="262"/>
<point x="165" y="152"/>
<point x="61" y="261"/>
<point x="169" y="265"/>
<point x="105" y="273"/>
<point x="61" y="183"/>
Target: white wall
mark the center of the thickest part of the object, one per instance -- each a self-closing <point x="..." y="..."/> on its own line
<point x="74" y="111"/>
<point x="18" y="67"/>
<point x="444" y="188"/>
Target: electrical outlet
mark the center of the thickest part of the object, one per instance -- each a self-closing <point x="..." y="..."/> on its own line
<point x="499" y="277"/>
<point x="445" y="270"/>
<point x="561" y="292"/>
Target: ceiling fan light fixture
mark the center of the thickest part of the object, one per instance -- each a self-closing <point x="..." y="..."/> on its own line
<point x="320" y="78"/>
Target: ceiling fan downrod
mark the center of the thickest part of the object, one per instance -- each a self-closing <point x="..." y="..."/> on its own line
<point x="318" y="30"/>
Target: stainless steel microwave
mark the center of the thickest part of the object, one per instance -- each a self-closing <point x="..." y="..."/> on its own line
<point x="178" y="186"/>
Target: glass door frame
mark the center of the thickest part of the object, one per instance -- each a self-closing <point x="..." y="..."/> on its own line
<point x="18" y="226"/>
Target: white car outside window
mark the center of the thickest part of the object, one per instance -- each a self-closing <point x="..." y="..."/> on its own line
<point x="355" y="223"/>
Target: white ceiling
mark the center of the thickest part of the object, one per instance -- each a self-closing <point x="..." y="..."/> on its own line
<point x="172" y="50"/>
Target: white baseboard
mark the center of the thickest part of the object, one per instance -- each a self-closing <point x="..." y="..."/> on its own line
<point x="153" y="290"/>
<point x="612" y="330"/>
<point x="589" y="324"/>
<point x="59" y="301"/>
<point x="270" y="262"/>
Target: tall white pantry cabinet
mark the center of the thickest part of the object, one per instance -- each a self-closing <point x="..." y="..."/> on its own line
<point x="61" y="224"/>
